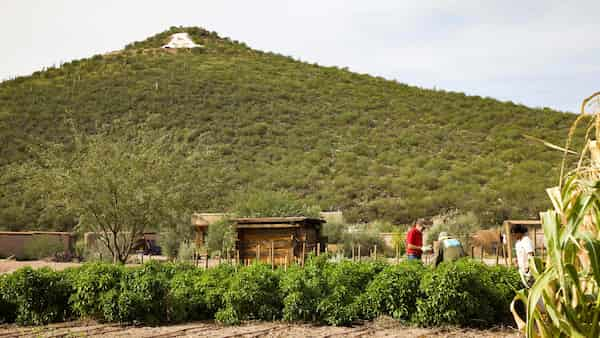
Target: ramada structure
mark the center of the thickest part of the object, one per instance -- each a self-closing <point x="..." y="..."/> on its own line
<point x="277" y="240"/>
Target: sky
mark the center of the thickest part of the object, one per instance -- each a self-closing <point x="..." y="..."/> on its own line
<point x="537" y="53"/>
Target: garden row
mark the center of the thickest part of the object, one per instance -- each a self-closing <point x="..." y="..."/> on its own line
<point x="466" y="293"/>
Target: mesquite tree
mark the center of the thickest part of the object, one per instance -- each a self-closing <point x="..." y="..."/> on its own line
<point x="116" y="188"/>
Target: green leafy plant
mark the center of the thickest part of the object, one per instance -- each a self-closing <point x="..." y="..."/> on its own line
<point x="253" y="294"/>
<point x="564" y="300"/>
<point x="303" y="289"/>
<point x="461" y="293"/>
<point x="43" y="247"/>
<point x="39" y="296"/>
<point x="91" y="285"/>
<point x="393" y="292"/>
<point x="8" y="307"/>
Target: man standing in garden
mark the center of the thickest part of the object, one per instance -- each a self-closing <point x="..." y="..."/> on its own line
<point x="524" y="249"/>
<point x="414" y="239"/>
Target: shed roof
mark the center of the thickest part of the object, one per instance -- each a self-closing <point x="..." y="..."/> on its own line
<point x="524" y="222"/>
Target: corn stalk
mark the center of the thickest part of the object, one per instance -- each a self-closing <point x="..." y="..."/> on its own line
<point x="565" y="299"/>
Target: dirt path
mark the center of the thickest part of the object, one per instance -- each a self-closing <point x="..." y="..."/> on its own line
<point x="383" y="327"/>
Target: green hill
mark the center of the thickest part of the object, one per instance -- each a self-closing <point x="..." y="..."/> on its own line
<point x="374" y="148"/>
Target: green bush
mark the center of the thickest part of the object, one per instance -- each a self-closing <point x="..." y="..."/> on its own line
<point x="461" y="293"/>
<point x="393" y="292"/>
<point x="345" y="283"/>
<point x="38" y="296"/>
<point x="303" y="289"/>
<point x="90" y="288"/>
<point x="253" y="294"/>
<point x="142" y="296"/>
<point x="8" y="307"/>
<point x="196" y="295"/>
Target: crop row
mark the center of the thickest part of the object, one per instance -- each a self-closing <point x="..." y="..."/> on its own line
<point x="465" y="293"/>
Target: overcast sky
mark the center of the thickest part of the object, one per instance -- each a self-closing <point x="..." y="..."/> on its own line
<point x="539" y="53"/>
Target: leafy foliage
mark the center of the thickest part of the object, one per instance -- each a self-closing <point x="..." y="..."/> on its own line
<point x="253" y="294"/>
<point x="38" y="296"/>
<point x="272" y="204"/>
<point x="376" y="149"/>
<point x="221" y="237"/>
<point x="394" y="292"/>
<point x="323" y="292"/>
<point x="345" y="283"/>
<point x="463" y="294"/>
<point x="43" y="247"/>
<point x="304" y="288"/>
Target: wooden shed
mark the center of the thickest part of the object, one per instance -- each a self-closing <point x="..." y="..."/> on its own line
<point x="534" y="231"/>
<point x="279" y="240"/>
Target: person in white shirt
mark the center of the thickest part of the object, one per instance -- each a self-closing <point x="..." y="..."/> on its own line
<point x="524" y="248"/>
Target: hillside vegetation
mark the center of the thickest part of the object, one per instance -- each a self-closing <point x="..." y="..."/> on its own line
<point x="374" y="148"/>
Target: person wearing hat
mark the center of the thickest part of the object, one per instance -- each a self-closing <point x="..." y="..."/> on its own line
<point x="449" y="249"/>
<point x="414" y="240"/>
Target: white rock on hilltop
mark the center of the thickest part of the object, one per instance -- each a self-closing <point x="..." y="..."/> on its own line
<point x="181" y="40"/>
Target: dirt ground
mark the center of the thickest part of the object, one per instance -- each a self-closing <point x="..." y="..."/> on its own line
<point x="384" y="327"/>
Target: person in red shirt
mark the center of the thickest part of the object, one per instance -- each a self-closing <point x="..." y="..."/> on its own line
<point x="414" y="239"/>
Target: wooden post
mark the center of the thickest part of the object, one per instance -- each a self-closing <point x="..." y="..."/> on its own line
<point x="142" y="257"/>
<point x="397" y="253"/>
<point x="285" y="263"/>
<point x="258" y="253"/>
<point x="359" y="252"/>
<point x="206" y="262"/>
<point x="237" y="257"/>
<point x="497" y="253"/>
<point x="272" y="255"/>
<point x="303" y="251"/>
<point x="509" y="243"/>
<point x="482" y="253"/>
<point x="472" y="252"/>
<point x="375" y="251"/>
<point x="534" y="241"/>
<point x="318" y="249"/>
<point x="353" y="251"/>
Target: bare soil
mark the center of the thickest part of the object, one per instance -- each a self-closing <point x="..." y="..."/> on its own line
<point x="383" y="327"/>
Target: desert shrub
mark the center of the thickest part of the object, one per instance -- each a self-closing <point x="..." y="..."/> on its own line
<point x="367" y="239"/>
<point x="43" y="247"/>
<point x="91" y="284"/>
<point x="303" y="289"/>
<point x="186" y="251"/>
<point x="8" y="307"/>
<point x="221" y="237"/>
<point x="39" y="296"/>
<point x="345" y="284"/>
<point x="393" y="292"/>
<point x="334" y="232"/>
<point x="272" y="204"/>
<point x="213" y="285"/>
<point x="252" y="294"/>
<point x="460" y="293"/>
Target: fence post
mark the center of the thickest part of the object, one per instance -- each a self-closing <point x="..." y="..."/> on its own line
<point x="375" y="249"/>
<point x="472" y="252"/>
<point x="497" y="254"/>
<point x="397" y="253"/>
<point x="359" y="252"/>
<point x="272" y="255"/>
<point x="237" y="257"/>
<point x="303" y="251"/>
<point x="285" y="263"/>
<point x="318" y="249"/>
<point x="352" y="251"/>
<point x="206" y="262"/>
<point x="482" y="253"/>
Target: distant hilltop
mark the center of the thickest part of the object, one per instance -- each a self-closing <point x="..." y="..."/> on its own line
<point x="374" y="148"/>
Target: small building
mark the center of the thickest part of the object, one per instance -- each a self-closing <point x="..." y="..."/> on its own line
<point x="280" y="239"/>
<point x="534" y="231"/>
